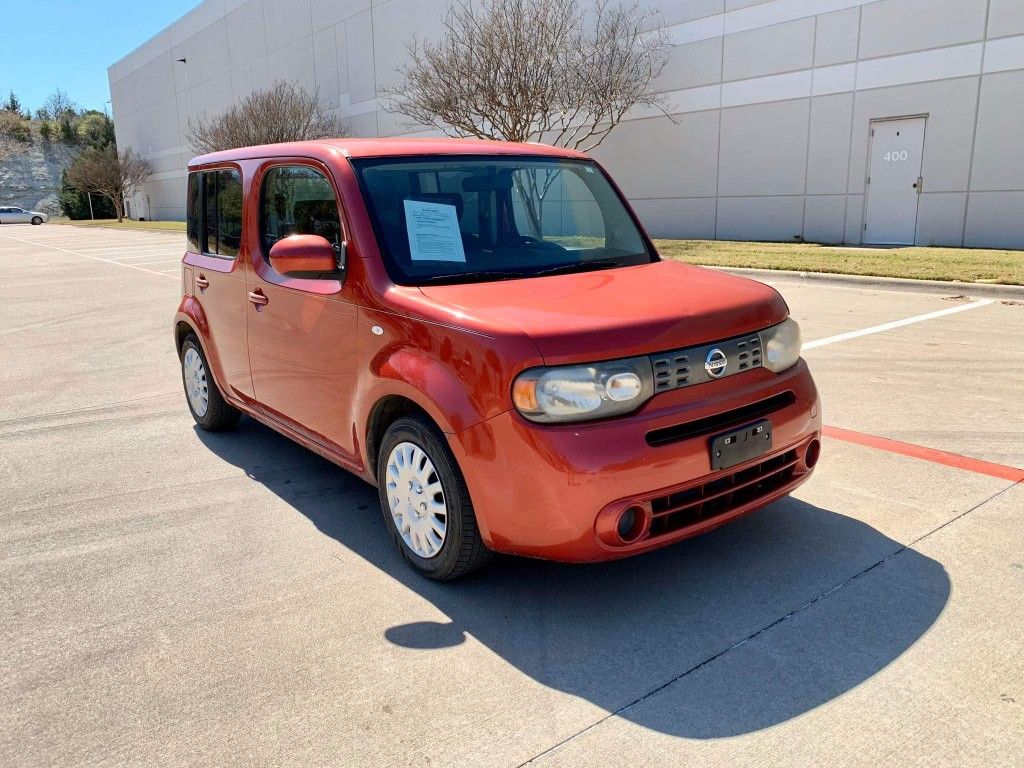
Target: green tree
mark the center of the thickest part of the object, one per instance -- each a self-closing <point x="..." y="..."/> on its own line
<point x="75" y="204"/>
<point x="66" y="130"/>
<point x="94" y="129"/>
<point x="13" y="104"/>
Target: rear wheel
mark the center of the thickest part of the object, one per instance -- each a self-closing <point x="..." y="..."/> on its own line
<point x="426" y="503"/>
<point x="209" y="408"/>
<point x="37" y="220"/>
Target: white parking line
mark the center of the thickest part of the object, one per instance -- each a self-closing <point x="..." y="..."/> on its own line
<point x="154" y="263"/>
<point x="141" y="259"/>
<point x="896" y="324"/>
<point x="173" y="274"/>
<point x="133" y="256"/>
<point x="87" y="256"/>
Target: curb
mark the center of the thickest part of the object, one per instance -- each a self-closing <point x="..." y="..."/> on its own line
<point x="982" y="290"/>
<point x="125" y="229"/>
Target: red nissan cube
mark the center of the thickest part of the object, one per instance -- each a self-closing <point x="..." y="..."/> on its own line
<point x="484" y="331"/>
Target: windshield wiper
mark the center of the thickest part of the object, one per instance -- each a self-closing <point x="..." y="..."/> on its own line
<point x="482" y="277"/>
<point x="473" y="277"/>
<point x="580" y="266"/>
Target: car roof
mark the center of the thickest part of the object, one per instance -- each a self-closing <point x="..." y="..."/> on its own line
<point x="325" y="149"/>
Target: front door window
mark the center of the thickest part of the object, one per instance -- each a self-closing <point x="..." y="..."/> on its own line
<point x="298" y="200"/>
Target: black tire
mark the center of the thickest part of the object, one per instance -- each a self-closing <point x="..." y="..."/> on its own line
<point x="37" y="220"/>
<point x="463" y="551"/>
<point x="219" y="414"/>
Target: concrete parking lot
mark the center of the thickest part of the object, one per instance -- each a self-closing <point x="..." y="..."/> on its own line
<point x="173" y="597"/>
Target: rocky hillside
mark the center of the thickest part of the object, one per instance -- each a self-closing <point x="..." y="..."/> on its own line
<point x="30" y="173"/>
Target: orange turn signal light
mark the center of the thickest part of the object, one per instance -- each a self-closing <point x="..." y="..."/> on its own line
<point x="524" y="394"/>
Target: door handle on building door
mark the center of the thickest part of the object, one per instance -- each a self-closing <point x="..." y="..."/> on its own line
<point x="919" y="184"/>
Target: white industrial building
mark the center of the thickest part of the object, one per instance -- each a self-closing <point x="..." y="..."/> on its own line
<point x="857" y="121"/>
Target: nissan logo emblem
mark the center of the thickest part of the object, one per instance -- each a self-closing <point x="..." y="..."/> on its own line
<point x="715" y="363"/>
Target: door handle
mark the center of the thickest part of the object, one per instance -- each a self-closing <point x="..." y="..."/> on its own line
<point x="202" y="283"/>
<point x="919" y="184"/>
<point x="258" y="298"/>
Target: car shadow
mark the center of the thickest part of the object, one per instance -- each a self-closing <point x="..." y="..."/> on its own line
<point x="615" y="632"/>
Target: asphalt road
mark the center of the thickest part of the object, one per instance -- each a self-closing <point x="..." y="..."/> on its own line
<point x="171" y="597"/>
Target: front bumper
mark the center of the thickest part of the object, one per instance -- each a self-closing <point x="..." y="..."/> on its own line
<point x="555" y="491"/>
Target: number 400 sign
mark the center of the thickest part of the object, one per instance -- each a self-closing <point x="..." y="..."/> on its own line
<point x="895" y="157"/>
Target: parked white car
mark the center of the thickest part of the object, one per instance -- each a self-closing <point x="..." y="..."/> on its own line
<point x="11" y="215"/>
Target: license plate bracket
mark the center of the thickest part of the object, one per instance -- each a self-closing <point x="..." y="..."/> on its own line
<point x="739" y="445"/>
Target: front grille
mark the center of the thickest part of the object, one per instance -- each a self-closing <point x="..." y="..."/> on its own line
<point x="685" y="367"/>
<point x="721" y="495"/>
<point x="720" y="422"/>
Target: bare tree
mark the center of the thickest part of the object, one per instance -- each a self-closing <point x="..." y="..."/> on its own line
<point x="283" y="112"/>
<point x="14" y="127"/>
<point x="63" y="112"/>
<point x="58" y="106"/>
<point x="533" y="70"/>
<point x="112" y="174"/>
<point x="526" y="70"/>
<point x="15" y="133"/>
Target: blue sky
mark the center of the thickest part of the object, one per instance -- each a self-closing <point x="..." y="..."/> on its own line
<point x="45" y="44"/>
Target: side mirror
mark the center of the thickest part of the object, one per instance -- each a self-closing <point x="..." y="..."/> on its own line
<point x="305" y="256"/>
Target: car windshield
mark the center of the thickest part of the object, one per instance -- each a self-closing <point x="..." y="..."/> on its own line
<point x="473" y="219"/>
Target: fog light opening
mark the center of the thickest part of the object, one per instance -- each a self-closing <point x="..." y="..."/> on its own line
<point x="813" y="453"/>
<point x="631" y="524"/>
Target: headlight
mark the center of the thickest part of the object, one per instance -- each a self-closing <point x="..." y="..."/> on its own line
<point x="781" y="345"/>
<point x="579" y="392"/>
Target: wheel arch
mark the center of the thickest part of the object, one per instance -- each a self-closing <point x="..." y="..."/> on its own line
<point x="181" y="331"/>
<point x="190" y="318"/>
<point x="385" y="411"/>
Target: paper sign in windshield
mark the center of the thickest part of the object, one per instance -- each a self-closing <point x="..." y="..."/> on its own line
<point x="433" y="232"/>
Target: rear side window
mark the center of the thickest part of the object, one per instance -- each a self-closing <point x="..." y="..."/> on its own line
<point x="298" y="200"/>
<point x="192" y="212"/>
<point x="214" y="211"/>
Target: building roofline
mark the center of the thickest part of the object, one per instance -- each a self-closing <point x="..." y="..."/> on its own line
<point x="157" y="34"/>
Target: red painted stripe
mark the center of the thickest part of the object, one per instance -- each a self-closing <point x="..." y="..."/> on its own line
<point x="1002" y="471"/>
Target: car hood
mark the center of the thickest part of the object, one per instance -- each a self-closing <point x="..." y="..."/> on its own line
<point x="615" y="312"/>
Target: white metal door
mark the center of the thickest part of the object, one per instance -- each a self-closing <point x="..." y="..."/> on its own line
<point x="894" y="181"/>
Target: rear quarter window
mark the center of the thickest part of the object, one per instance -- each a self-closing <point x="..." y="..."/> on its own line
<point x="214" y="212"/>
<point x="192" y="212"/>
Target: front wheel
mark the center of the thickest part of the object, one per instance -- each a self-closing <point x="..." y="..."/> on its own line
<point x="37" y="220"/>
<point x="209" y="408"/>
<point x="426" y="503"/>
